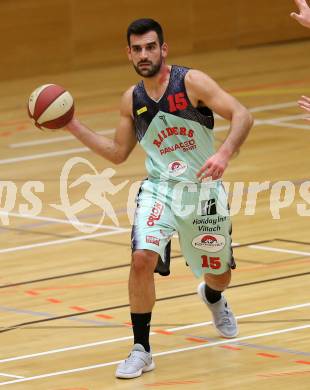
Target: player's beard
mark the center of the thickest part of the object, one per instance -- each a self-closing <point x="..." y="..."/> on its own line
<point x="151" y="70"/>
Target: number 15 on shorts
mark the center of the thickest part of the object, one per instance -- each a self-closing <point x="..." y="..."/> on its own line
<point x="211" y="262"/>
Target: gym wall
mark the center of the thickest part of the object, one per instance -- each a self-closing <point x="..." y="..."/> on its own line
<point x="50" y="36"/>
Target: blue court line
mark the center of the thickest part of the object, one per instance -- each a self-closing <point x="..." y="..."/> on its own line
<point x="275" y="349"/>
<point x="49" y="315"/>
<point x="23" y="311"/>
<point x="258" y="346"/>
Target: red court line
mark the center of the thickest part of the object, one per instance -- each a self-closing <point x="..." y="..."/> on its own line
<point x="162" y="331"/>
<point x="78" y="308"/>
<point x="171" y="383"/>
<point x="231" y="347"/>
<point x="53" y="300"/>
<point x="275" y="374"/>
<point x="109" y="283"/>
<point x="75" y="308"/>
<point x="302" y="362"/>
<point x="168" y="333"/>
<point x="196" y="340"/>
<point x="32" y="293"/>
<point x="5" y="133"/>
<point x="105" y="316"/>
<point x="267" y="355"/>
<point x="284" y="264"/>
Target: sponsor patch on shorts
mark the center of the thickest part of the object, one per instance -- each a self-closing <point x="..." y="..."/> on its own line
<point x="209" y="242"/>
<point x="152" y="240"/>
<point x="156" y="213"/>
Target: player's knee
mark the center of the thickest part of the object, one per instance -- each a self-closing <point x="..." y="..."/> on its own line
<point x="218" y="282"/>
<point x="143" y="262"/>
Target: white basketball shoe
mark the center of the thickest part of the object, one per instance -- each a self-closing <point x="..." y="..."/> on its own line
<point x="223" y="318"/>
<point x="138" y="362"/>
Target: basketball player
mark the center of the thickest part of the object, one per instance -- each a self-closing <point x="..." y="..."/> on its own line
<point x="170" y="113"/>
<point x="304" y="19"/>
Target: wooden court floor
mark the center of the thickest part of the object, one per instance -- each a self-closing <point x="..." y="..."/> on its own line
<point x="64" y="305"/>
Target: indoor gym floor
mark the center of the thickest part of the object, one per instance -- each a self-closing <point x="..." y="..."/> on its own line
<point x="64" y="305"/>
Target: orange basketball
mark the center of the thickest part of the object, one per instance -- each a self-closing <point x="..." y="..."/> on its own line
<point x="51" y="106"/>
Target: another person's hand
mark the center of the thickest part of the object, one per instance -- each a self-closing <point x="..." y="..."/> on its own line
<point x="304" y="103"/>
<point x="304" y="13"/>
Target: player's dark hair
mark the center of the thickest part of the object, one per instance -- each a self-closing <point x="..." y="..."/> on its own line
<point x="142" y="26"/>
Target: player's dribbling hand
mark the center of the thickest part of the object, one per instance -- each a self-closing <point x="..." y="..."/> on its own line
<point x="304" y="13"/>
<point x="214" y="167"/>
<point x="72" y="125"/>
<point x="304" y="103"/>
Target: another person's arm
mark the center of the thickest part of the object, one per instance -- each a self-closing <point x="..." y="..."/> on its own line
<point x="117" y="149"/>
<point x="304" y="13"/>
<point x="304" y="19"/>
<point x="202" y="88"/>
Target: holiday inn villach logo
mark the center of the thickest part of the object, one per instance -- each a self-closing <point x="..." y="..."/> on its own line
<point x="100" y="189"/>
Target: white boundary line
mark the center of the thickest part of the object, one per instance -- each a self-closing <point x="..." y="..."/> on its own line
<point x="54" y="140"/>
<point x="286" y="118"/>
<point x="271" y="249"/>
<point x="110" y="341"/>
<point x="290" y="125"/>
<point x="269" y="107"/>
<point x="173" y="351"/>
<point x="259" y="313"/>
<point x="43" y="155"/>
<point x="62" y="241"/>
<point x="272" y="121"/>
<point x="11" y="376"/>
<point x="30" y="157"/>
<point x="58" y="220"/>
<point x="120" y="231"/>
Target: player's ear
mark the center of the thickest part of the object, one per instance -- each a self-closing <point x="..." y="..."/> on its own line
<point x="128" y="51"/>
<point x="164" y="50"/>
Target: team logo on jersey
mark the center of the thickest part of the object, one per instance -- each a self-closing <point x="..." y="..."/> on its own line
<point x="172" y="131"/>
<point x="209" y="243"/>
<point x="163" y="118"/>
<point x="208" y="207"/>
<point x="141" y="110"/>
<point x="176" y="168"/>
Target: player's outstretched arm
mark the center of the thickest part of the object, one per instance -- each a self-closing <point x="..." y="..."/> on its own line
<point x="304" y="13"/>
<point x="115" y="150"/>
<point x="201" y="88"/>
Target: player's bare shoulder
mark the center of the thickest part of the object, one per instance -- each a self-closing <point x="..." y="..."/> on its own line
<point x="199" y="85"/>
<point x="195" y="77"/>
